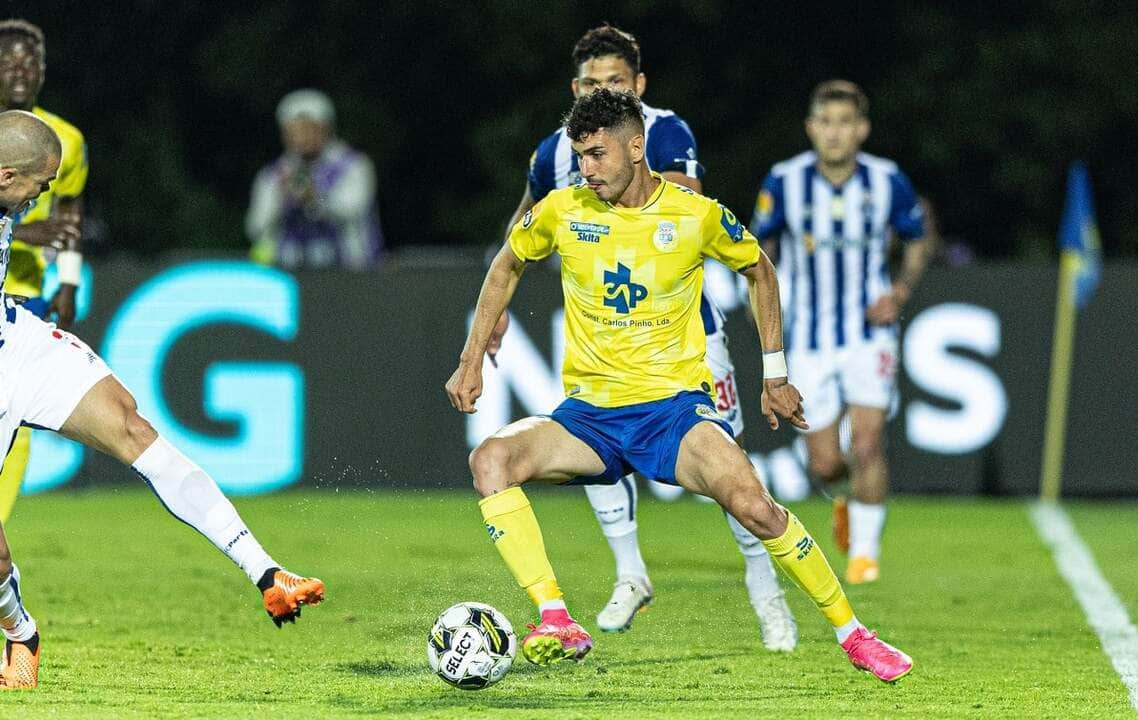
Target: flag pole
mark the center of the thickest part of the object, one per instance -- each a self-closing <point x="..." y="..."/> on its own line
<point x="1062" y="346"/>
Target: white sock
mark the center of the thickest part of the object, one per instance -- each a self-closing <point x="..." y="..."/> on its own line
<point x="615" y="508"/>
<point x="192" y="496"/>
<point x="759" y="575"/>
<point x="866" y="524"/>
<point x="844" y="631"/>
<point x="558" y="604"/>
<point x="15" y="621"/>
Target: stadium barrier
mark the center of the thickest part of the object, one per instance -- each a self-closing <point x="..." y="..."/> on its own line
<point x="330" y="380"/>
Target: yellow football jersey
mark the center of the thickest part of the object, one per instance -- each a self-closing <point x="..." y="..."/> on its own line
<point x="26" y="266"/>
<point x="632" y="279"/>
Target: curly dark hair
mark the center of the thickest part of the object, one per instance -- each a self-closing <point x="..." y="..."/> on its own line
<point x="607" y="109"/>
<point x="840" y="91"/>
<point x="17" y="28"/>
<point x="607" y="40"/>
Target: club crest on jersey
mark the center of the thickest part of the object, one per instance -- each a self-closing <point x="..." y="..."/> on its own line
<point x="665" y="236"/>
<point x="588" y="232"/>
<point x="620" y="292"/>
<point x="527" y="219"/>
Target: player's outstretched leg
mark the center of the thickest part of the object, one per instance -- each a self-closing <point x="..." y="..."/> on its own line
<point x="194" y="498"/>
<point x="776" y="621"/>
<point x="708" y="464"/>
<point x="532" y="448"/>
<point x="107" y="419"/>
<point x="615" y="508"/>
<point x="801" y="558"/>
<point x="20" y="665"/>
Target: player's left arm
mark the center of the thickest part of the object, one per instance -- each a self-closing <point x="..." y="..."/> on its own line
<point x="911" y="222"/>
<point x="779" y="396"/>
<point x="727" y="241"/>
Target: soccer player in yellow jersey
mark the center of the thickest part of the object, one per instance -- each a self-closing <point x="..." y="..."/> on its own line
<point x="53" y="222"/>
<point x="639" y="395"/>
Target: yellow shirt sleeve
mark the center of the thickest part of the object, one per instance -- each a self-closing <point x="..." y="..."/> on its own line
<point x="534" y="237"/>
<point x="72" y="176"/>
<point x="726" y="240"/>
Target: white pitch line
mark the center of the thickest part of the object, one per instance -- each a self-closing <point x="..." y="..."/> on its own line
<point x="1105" y="612"/>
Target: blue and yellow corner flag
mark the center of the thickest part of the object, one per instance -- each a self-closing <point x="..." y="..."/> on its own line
<point x="1078" y="234"/>
<point x="1080" y="269"/>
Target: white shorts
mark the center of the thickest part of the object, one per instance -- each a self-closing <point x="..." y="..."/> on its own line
<point x="727" y="396"/>
<point x="44" y="372"/>
<point x="862" y="374"/>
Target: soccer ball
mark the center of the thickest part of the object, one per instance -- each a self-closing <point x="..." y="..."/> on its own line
<point x="471" y="645"/>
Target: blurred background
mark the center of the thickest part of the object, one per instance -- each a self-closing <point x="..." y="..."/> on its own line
<point x="340" y="381"/>
<point x="984" y="105"/>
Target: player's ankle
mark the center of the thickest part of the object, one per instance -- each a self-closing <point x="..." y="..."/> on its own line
<point x="267" y="579"/>
<point x="556" y="616"/>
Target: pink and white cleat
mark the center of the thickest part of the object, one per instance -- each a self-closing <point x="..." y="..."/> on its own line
<point x="878" y="657"/>
<point x="555" y="640"/>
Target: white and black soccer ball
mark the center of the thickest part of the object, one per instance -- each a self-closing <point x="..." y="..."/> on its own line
<point x="471" y="645"/>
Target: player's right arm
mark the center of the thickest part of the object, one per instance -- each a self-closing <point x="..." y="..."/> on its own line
<point x="539" y="176"/>
<point x="530" y="239"/>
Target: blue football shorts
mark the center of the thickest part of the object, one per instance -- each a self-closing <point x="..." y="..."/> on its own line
<point x="644" y="437"/>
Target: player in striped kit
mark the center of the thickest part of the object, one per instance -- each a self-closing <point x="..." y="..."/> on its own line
<point x="826" y="215"/>
<point x="610" y="58"/>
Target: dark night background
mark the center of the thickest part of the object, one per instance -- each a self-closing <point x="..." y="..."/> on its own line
<point x="983" y="104"/>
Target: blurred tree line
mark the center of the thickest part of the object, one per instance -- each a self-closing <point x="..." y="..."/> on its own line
<point x="982" y="104"/>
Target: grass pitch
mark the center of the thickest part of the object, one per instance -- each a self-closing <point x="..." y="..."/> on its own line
<point x="141" y="618"/>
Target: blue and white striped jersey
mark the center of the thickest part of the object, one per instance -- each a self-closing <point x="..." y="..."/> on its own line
<point x="832" y="262"/>
<point x="669" y="146"/>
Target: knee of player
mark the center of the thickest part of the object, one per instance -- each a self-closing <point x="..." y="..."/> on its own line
<point x="490" y="465"/>
<point x="138" y="433"/>
<point x="866" y="448"/>
<point x="829" y="467"/>
<point x="5" y="565"/>
<point x="755" y="510"/>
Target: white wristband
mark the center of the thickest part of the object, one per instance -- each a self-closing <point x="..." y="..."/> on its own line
<point x="774" y="365"/>
<point x="69" y="265"/>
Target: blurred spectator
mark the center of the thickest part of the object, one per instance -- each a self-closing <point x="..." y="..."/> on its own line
<point x="315" y="205"/>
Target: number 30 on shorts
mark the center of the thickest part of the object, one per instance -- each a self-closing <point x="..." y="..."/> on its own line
<point x="726" y="397"/>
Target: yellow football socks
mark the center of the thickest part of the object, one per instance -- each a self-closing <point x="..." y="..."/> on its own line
<point x="801" y="558"/>
<point x="515" y="532"/>
<point x="13" y="473"/>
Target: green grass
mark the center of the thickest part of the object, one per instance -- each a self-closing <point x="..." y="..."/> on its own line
<point x="141" y="618"/>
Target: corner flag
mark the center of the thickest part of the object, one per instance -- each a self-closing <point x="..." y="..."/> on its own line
<point x="1080" y="270"/>
<point x="1078" y="233"/>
